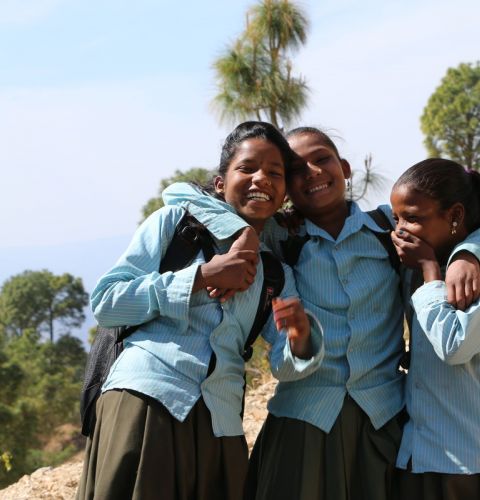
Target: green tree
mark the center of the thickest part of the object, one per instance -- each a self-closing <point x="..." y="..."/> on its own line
<point x="254" y="75"/>
<point x="200" y="175"/>
<point x="451" y="118"/>
<point x="38" y="299"/>
<point x="41" y="382"/>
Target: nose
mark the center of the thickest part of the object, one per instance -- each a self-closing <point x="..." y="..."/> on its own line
<point x="260" y="178"/>
<point x="313" y="169"/>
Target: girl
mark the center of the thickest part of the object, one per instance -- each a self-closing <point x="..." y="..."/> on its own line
<point x="334" y="434"/>
<point x="436" y="204"/>
<point x="165" y="428"/>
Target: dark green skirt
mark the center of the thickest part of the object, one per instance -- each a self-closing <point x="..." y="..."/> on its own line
<point x="436" y="486"/>
<point x="294" y="460"/>
<point x="139" y="451"/>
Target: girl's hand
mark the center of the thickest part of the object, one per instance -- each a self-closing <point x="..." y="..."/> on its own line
<point x="289" y="315"/>
<point x="415" y="253"/>
<point x="463" y="280"/>
<point x="248" y="241"/>
<point x="235" y="270"/>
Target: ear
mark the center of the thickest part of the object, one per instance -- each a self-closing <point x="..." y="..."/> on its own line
<point x="219" y="184"/>
<point x="347" y="171"/>
<point x="457" y="213"/>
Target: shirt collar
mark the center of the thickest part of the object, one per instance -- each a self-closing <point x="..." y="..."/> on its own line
<point x="356" y="219"/>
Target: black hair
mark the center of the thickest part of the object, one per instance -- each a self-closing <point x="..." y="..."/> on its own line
<point x="253" y="130"/>
<point x="314" y="131"/>
<point x="448" y="183"/>
<point x="243" y="132"/>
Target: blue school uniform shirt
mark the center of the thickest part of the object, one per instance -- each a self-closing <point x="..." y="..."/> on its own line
<point x="443" y="384"/>
<point x="167" y="358"/>
<point x="350" y="286"/>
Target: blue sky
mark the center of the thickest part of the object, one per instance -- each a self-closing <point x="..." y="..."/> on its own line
<point x="99" y="100"/>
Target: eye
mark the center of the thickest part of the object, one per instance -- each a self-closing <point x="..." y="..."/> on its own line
<point x="411" y="218"/>
<point x="278" y="173"/>
<point x="297" y="168"/>
<point x="321" y="160"/>
<point x="247" y="169"/>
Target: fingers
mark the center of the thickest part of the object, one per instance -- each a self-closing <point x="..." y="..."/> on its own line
<point x="227" y="295"/>
<point x="451" y="294"/>
<point x="286" y="312"/>
<point x="248" y="240"/>
<point x="248" y="255"/>
<point x="475" y="290"/>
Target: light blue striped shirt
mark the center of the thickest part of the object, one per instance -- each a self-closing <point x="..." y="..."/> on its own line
<point x="443" y="384"/>
<point x="167" y="358"/>
<point x="350" y="286"/>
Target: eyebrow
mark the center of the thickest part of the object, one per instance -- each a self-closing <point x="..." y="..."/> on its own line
<point x="252" y="160"/>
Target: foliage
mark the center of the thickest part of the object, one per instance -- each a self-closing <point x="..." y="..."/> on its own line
<point x="199" y="175"/>
<point x="364" y="181"/>
<point x="38" y="299"/>
<point x="254" y="75"/>
<point x="41" y="380"/>
<point x="451" y="118"/>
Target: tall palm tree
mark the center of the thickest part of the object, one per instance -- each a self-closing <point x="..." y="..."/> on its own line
<point x="254" y="75"/>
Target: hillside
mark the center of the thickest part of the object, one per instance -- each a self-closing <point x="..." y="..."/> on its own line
<point x="60" y="483"/>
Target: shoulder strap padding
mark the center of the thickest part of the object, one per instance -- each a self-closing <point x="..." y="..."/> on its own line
<point x="384" y="222"/>
<point x="273" y="283"/>
<point x="292" y="247"/>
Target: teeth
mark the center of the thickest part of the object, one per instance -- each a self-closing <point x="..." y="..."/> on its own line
<point x="321" y="187"/>
<point x="258" y="196"/>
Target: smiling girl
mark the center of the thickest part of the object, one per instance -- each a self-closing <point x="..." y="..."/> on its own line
<point x="167" y="427"/>
<point x="436" y="204"/>
<point x="333" y="435"/>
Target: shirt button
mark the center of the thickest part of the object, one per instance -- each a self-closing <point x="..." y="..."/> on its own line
<point x="345" y="281"/>
<point x="417" y="385"/>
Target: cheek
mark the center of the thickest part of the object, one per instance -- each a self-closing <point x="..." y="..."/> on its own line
<point x="294" y="186"/>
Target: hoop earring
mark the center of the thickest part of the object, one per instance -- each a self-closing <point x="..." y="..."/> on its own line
<point x="454" y="227"/>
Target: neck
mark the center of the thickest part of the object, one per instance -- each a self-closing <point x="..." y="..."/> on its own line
<point x="332" y="219"/>
<point x="443" y="254"/>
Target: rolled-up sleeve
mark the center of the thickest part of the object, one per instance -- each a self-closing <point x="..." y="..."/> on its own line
<point x="454" y="334"/>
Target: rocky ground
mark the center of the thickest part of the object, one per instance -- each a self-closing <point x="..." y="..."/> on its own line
<point x="60" y="483"/>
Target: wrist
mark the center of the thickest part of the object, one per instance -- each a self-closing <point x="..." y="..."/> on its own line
<point x="200" y="278"/>
<point x="301" y="346"/>
<point x="431" y="270"/>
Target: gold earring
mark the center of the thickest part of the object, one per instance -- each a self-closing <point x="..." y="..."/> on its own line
<point x="454" y="227"/>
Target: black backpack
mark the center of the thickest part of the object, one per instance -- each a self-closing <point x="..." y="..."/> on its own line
<point x="189" y="238"/>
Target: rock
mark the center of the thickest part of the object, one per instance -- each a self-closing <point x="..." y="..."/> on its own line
<point x="60" y="483"/>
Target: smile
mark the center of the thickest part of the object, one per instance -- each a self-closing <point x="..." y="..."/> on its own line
<point x="258" y="196"/>
<point x="320" y="187"/>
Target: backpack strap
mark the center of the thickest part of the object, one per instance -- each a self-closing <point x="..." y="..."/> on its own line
<point x="383" y="221"/>
<point x="189" y="238"/>
<point x="273" y="282"/>
<point x="291" y="248"/>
